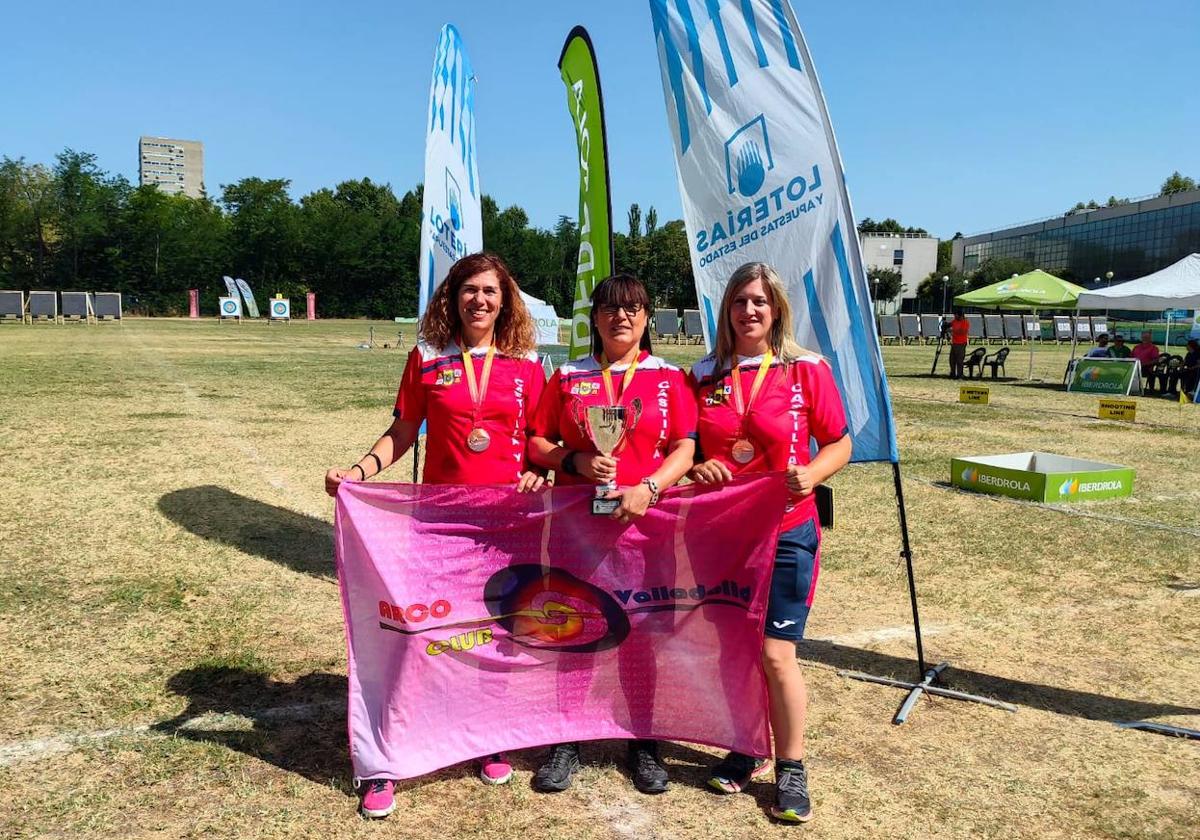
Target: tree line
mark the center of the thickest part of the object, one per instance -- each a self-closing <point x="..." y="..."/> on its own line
<point x="74" y="226"/>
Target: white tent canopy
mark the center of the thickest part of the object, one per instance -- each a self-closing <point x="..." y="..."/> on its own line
<point x="1175" y="287"/>
<point x="544" y="318"/>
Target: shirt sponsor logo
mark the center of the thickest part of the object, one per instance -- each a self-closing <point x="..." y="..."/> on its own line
<point x="585" y="389"/>
<point x="449" y="376"/>
<point x="718" y="396"/>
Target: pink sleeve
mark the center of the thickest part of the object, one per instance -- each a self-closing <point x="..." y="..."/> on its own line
<point x="410" y="399"/>
<point x="544" y="422"/>
<point x="682" y="405"/>
<point x="826" y="416"/>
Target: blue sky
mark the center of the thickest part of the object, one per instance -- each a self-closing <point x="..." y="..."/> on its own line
<point x="950" y="115"/>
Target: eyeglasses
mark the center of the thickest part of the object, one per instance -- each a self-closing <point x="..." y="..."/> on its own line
<point x="610" y="310"/>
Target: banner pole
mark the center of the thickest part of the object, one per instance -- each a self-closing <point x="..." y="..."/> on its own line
<point x="927" y="677"/>
<point x="906" y="551"/>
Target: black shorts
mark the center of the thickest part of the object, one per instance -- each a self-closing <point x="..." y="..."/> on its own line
<point x="794" y="581"/>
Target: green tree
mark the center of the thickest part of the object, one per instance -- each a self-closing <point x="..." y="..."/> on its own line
<point x="1177" y="183"/>
<point x="995" y="269"/>
<point x="886" y="283"/>
<point x="935" y="296"/>
<point x="265" y="231"/>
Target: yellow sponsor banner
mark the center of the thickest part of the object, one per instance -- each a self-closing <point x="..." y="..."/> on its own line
<point x="1118" y="410"/>
<point x="975" y="394"/>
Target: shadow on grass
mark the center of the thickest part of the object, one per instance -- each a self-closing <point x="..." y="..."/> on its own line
<point x="1062" y="701"/>
<point x="299" y="726"/>
<point x="274" y="533"/>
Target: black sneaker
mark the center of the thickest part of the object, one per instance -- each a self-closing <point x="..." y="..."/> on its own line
<point x="736" y="771"/>
<point x="647" y="772"/>
<point x="791" y="792"/>
<point x="558" y="769"/>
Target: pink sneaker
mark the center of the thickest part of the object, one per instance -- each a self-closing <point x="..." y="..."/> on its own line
<point x="495" y="770"/>
<point x="379" y="799"/>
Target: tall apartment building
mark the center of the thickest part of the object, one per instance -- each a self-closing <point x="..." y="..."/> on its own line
<point x="176" y="166"/>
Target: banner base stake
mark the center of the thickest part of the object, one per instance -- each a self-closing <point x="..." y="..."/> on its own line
<point x="926" y="685"/>
<point x="1161" y="729"/>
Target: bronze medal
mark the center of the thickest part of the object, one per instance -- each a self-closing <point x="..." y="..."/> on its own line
<point x="743" y="451"/>
<point x="478" y="440"/>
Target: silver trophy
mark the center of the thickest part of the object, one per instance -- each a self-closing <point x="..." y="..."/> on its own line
<point x="606" y="428"/>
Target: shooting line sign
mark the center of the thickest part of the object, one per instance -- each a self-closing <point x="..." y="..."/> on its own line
<point x="1118" y="410"/>
<point x="973" y="394"/>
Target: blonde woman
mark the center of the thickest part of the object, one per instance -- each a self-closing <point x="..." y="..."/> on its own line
<point x="762" y="399"/>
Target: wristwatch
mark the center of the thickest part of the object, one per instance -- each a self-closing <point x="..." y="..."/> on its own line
<point x="653" y="485"/>
<point x="568" y="463"/>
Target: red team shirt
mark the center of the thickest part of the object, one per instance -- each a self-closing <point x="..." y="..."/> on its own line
<point x="797" y="401"/>
<point x="434" y="388"/>
<point x="658" y="397"/>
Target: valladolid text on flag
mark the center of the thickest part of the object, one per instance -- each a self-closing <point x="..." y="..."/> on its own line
<point x="761" y="181"/>
<point x="451" y="209"/>
<point x="577" y="64"/>
<point x="480" y="620"/>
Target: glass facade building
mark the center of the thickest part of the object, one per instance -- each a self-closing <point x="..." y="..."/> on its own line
<point x="1130" y="240"/>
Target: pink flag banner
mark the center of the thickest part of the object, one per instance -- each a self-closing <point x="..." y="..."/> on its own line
<point x="480" y="620"/>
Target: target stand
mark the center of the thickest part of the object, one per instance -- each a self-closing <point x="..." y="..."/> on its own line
<point x="229" y="309"/>
<point x="279" y="311"/>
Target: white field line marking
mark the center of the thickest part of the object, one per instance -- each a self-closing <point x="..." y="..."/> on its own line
<point x="223" y="425"/>
<point x="39" y="748"/>
<point x="885" y="634"/>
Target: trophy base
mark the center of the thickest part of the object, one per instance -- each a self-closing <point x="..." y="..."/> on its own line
<point x="605" y="507"/>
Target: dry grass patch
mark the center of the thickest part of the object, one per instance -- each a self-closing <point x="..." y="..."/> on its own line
<point x="168" y="574"/>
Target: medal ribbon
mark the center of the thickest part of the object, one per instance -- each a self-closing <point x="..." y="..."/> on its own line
<point x="625" y="380"/>
<point x="742" y="406"/>
<point x="606" y="375"/>
<point x="478" y="392"/>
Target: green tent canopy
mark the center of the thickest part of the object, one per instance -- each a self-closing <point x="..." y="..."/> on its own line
<point x="1034" y="290"/>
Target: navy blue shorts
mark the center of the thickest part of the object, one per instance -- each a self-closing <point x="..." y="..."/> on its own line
<point x="793" y="582"/>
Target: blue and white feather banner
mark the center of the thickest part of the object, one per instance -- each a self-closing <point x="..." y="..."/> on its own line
<point x="761" y="180"/>
<point x="451" y="218"/>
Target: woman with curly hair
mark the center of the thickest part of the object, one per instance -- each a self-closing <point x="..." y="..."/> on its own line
<point x="474" y="377"/>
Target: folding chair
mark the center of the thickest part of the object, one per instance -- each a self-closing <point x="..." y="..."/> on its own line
<point x="693" y="328"/>
<point x="666" y="325"/>
<point x="975" y="334"/>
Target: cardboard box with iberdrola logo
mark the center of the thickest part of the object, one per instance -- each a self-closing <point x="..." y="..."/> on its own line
<point x="1041" y="477"/>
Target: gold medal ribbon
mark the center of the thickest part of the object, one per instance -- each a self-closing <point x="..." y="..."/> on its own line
<point x="742" y="406"/>
<point x="478" y="392"/>
<point x="625" y="380"/>
<point x="606" y="375"/>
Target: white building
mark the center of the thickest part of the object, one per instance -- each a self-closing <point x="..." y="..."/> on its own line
<point x="174" y="166"/>
<point x="914" y="255"/>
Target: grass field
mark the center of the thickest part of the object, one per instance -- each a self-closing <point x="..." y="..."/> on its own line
<point x="173" y="662"/>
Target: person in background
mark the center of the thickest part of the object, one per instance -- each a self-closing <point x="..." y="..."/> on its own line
<point x="1146" y="352"/>
<point x="1187" y="376"/>
<point x="761" y="399"/>
<point x="1101" y="350"/>
<point x="960" y="332"/>
<point x="474" y="377"/>
<point x="1119" y="350"/>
